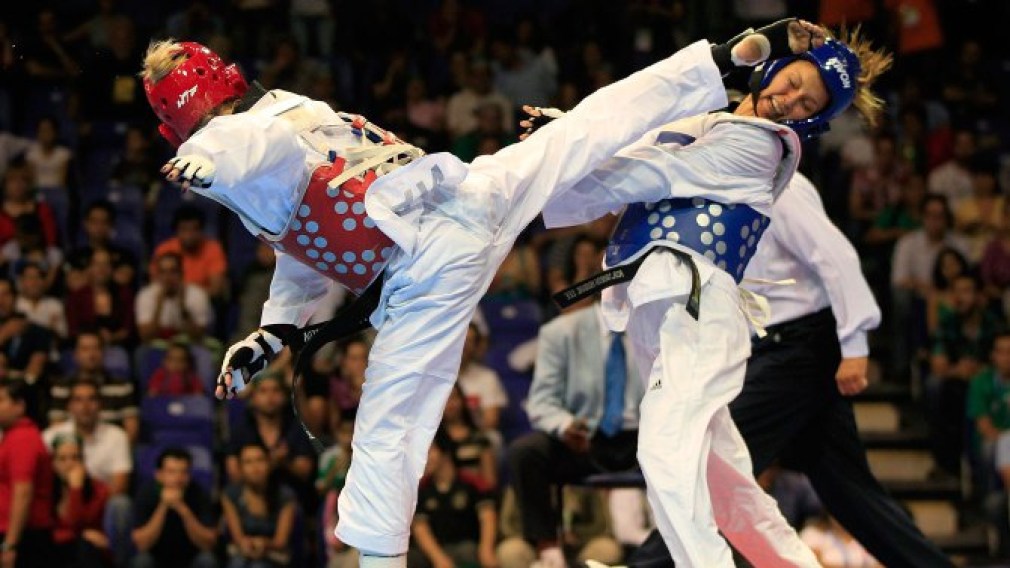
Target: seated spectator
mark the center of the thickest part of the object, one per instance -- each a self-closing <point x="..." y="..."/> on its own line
<point x="100" y="302"/>
<point x="583" y="405"/>
<point x="455" y="522"/>
<point x="19" y="199"/>
<point x="489" y="125"/>
<point x="960" y="347"/>
<point x="79" y="503"/>
<point x="519" y="275"/>
<point x="979" y="216"/>
<point x="168" y="308"/>
<point x="288" y="70"/>
<point x="254" y="289"/>
<point x="32" y="301"/>
<point x="995" y="263"/>
<point x="590" y="530"/>
<point x="259" y="512"/>
<point x="898" y="219"/>
<point x="27" y="246"/>
<point x="461" y="109"/>
<point x="481" y="386"/>
<point x="952" y="179"/>
<point x="989" y="409"/>
<point x="26" y="484"/>
<point x="346" y="384"/>
<point x="522" y="76"/>
<point x="106" y="446"/>
<point x="269" y="423"/>
<point x="949" y="265"/>
<point x="425" y="115"/>
<point x="333" y="466"/>
<point x="835" y="547"/>
<point x="877" y="185"/>
<point x="176" y="376"/>
<point x="471" y="448"/>
<point x="173" y="517"/>
<point x="98" y="225"/>
<point x="115" y="394"/>
<point x="911" y="274"/>
<point x="137" y="167"/>
<point x="12" y="147"/>
<point x="575" y="254"/>
<point x="108" y="458"/>
<point x="50" y="161"/>
<point x="25" y="347"/>
<point x="203" y="260"/>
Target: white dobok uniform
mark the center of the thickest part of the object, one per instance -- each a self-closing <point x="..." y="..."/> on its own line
<point x="698" y="471"/>
<point x="452" y="224"/>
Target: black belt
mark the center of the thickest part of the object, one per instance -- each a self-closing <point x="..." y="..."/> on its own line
<point x="625" y="273"/>
<point x="305" y="342"/>
<point x="802" y="326"/>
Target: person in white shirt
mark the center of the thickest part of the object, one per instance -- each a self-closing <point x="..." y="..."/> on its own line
<point x="106" y="446"/>
<point x="673" y="268"/>
<point x="42" y="310"/>
<point x="50" y="162"/>
<point x="952" y="179"/>
<point x="168" y="307"/>
<point x="814" y="356"/>
<point x="480" y="384"/>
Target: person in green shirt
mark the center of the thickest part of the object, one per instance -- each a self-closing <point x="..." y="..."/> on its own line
<point x="989" y="408"/>
<point x="961" y="347"/>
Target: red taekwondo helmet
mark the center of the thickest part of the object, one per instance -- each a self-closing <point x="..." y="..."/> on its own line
<point x="189" y="92"/>
<point x="839" y="68"/>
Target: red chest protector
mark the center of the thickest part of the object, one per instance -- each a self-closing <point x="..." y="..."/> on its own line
<point x="331" y="232"/>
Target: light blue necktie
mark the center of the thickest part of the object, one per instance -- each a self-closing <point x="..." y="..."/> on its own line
<point x="613" y="391"/>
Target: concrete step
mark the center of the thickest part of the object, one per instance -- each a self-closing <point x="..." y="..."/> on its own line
<point x="900" y="465"/>
<point x="946" y="489"/>
<point x="877" y="416"/>
<point x="935" y="519"/>
<point x="907" y="438"/>
<point x="976" y="542"/>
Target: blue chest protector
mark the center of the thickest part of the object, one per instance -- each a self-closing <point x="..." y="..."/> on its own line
<point x="727" y="235"/>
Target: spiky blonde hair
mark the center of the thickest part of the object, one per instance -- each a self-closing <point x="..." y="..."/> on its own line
<point x="874" y="63"/>
<point x="161" y="58"/>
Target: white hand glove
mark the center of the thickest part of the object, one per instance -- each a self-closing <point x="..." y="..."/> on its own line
<point x="245" y="359"/>
<point x="197" y="170"/>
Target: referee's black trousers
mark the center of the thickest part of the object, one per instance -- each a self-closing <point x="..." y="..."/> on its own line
<point x="790" y="409"/>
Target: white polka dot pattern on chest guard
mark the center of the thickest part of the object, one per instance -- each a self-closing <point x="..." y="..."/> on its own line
<point x="332" y="233"/>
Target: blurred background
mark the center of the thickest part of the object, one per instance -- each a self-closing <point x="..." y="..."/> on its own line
<point x="118" y="292"/>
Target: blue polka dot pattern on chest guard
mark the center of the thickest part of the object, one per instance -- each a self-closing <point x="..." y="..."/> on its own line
<point x="727" y="235"/>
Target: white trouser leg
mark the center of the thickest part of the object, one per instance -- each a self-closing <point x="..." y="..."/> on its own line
<point x="530" y="173"/>
<point x="747" y="516"/>
<point x="428" y="303"/>
<point x="695" y="365"/>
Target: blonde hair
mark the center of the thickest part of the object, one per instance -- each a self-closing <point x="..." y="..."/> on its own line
<point x="874" y="63"/>
<point x="162" y="58"/>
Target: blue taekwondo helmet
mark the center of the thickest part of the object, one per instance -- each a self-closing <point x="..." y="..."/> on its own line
<point x="839" y="69"/>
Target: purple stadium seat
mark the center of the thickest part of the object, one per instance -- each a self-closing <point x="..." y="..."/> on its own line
<point x="192" y="412"/>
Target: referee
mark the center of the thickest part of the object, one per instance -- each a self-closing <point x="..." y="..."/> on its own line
<point x="793" y="406"/>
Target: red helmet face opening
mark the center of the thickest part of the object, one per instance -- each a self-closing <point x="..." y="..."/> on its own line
<point x="201" y="83"/>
